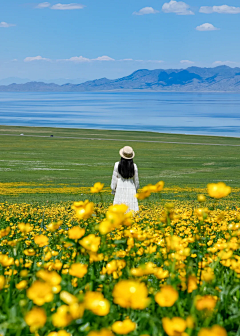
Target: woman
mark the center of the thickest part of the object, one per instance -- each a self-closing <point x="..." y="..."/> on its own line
<point x="125" y="181"/>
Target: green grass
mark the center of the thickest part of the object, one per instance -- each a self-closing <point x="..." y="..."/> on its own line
<point x="84" y="162"/>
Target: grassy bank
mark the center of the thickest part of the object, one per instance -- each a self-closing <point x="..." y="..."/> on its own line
<point x="66" y="160"/>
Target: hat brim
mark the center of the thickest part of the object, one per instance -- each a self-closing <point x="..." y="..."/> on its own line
<point x="125" y="157"/>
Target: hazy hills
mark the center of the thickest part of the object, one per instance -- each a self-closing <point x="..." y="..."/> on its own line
<point x="221" y="78"/>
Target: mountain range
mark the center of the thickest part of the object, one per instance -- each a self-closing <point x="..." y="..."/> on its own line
<point x="220" y="78"/>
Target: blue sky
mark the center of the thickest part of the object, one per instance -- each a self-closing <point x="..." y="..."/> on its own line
<point x="112" y="38"/>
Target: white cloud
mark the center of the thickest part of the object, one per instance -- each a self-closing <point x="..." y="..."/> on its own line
<point x="224" y="9"/>
<point x="36" y="58"/>
<point x="81" y="59"/>
<point x="146" y="10"/>
<point x="103" y="58"/>
<point x="70" y="6"/>
<point x="43" y="5"/>
<point x="177" y="7"/>
<point x="186" y="62"/>
<point x="229" y="63"/>
<point x="6" y="25"/>
<point x="206" y="27"/>
<point x="77" y="59"/>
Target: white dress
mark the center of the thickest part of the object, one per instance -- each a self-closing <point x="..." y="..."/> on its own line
<point x="125" y="189"/>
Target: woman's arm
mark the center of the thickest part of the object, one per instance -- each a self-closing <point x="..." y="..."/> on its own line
<point x="114" y="179"/>
<point x="136" y="180"/>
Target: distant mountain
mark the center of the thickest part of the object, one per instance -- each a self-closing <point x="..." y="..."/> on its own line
<point x="59" y="81"/>
<point x="221" y="78"/>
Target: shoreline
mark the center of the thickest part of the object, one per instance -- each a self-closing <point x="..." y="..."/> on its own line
<point x="121" y="91"/>
<point x="48" y="128"/>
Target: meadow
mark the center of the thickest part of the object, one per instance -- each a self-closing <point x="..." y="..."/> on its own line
<point x="72" y="264"/>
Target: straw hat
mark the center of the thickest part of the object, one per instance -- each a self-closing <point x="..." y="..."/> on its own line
<point x="127" y="153"/>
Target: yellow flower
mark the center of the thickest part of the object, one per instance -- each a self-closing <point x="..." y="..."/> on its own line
<point x="96" y="302"/>
<point x="159" y="186"/>
<point x="2" y="282"/>
<point x="145" y="192"/>
<point x="36" y="318"/>
<point x="62" y="317"/>
<point x="91" y="242"/>
<point x="52" y="278"/>
<point x="76" y="310"/>
<point x="160" y="273"/>
<point x="29" y="252"/>
<point x="213" y="331"/>
<point x="68" y="298"/>
<point x="97" y="187"/>
<point x="123" y="327"/>
<point x="128" y="293"/>
<point x="5" y="261"/>
<point x="105" y="227"/>
<point x="192" y="283"/>
<point x="167" y="296"/>
<point x="4" y="232"/>
<point x="207" y="274"/>
<point x="24" y="273"/>
<point x="41" y="240"/>
<point x="201" y="213"/>
<point x="76" y="232"/>
<point x="54" y="226"/>
<point x="201" y="198"/>
<point x="174" y="326"/>
<point x="25" y="228"/>
<point x="82" y="209"/>
<point x="59" y="333"/>
<point x="40" y="292"/>
<point x="22" y="284"/>
<point x="218" y="190"/>
<point x="116" y="215"/>
<point x="102" y="332"/>
<point x="205" y="302"/>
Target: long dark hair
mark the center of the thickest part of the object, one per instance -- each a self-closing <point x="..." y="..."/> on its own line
<point x="126" y="168"/>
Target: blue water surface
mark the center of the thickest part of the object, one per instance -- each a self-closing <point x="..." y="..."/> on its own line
<point x="185" y="113"/>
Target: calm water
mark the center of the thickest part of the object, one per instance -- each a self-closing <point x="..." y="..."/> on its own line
<point x="190" y="113"/>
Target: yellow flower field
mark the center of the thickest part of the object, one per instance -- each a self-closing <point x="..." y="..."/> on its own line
<point x="89" y="269"/>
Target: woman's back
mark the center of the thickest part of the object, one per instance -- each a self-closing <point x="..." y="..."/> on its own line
<point x="125" y="182"/>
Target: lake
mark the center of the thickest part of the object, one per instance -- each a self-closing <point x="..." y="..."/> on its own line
<point x="185" y="113"/>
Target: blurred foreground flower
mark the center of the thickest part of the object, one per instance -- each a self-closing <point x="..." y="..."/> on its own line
<point x="97" y="187"/>
<point x="102" y="332"/>
<point x="131" y="294"/>
<point x="218" y="190"/>
<point x="115" y="216"/>
<point x="214" y="331"/>
<point x="83" y="210"/>
<point x="175" y="326"/>
<point x="167" y="296"/>
<point x="147" y="190"/>
<point x="91" y="242"/>
<point x="59" y="333"/>
<point x="207" y="302"/>
<point x="96" y="302"/>
<point x="41" y="240"/>
<point x="76" y="232"/>
<point x="40" y="292"/>
<point x="123" y="327"/>
<point x="78" y="270"/>
<point x="36" y="318"/>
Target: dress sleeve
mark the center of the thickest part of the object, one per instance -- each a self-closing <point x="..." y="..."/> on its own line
<point x="114" y="179"/>
<point x="136" y="180"/>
